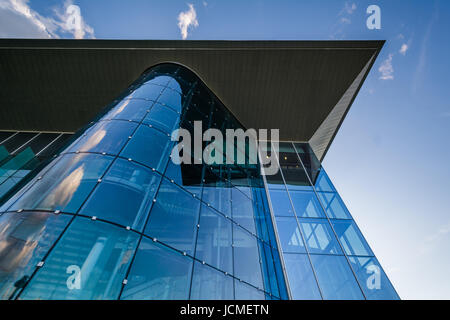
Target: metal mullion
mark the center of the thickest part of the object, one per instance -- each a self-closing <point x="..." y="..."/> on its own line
<point x="23" y="145"/>
<point x="5" y="140"/>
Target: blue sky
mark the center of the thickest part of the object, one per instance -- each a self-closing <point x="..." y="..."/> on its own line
<point x="390" y="159"/>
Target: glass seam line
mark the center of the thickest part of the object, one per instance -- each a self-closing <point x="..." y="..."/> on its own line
<point x="73" y="218"/>
<point x="298" y="225"/>
<point x="329" y="222"/>
<point x="5" y="140"/>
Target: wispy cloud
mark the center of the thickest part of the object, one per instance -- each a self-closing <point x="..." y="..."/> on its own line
<point x="344" y="18"/>
<point x="403" y="49"/>
<point x="386" y="69"/>
<point x="434" y="239"/>
<point x="19" y="20"/>
<point x="187" y="19"/>
<point x="349" y="8"/>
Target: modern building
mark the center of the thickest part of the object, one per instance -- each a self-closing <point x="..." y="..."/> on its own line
<point x="93" y="205"/>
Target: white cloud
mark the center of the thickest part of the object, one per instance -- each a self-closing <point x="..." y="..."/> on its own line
<point x="403" y="49"/>
<point x="71" y="21"/>
<point x="205" y="4"/>
<point x="187" y="19"/>
<point x="386" y="69"/>
<point x="18" y="20"/>
<point x="346" y="20"/>
<point x="349" y="8"/>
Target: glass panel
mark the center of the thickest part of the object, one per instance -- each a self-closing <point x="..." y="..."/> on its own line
<point x="89" y="262"/>
<point x="158" y="80"/>
<point x="351" y="239"/>
<point x="174" y="217"/>
<point x="247" y="264"/>
<point x="210" y="284"/>
<point x="335" y="278"/>
<point x="323" y="183"/>
<point x="24" y="240"/>
<point x="243" y="291"/>
<point x="186" y="175"/>
<point x="162" y="118"/>
<point x="242" y="209"/>
<point x="301" y="277"/>
<point x="334" y="206"/>
<point x="158" y="273"/>
<point x="172" y="99"/>
<point x="214" y="240"/>
<point x="373" y="280"/>
<point x="17" y="141"/>
<point x="134" y="109"/>
<point x="149" y="91"/>
<point x="150" y="147"/>
<point x="306" y="204"/>
<point x="125" y="195"/>
<point x="66" y="185"/>
<point x="289" y="233"/>
<point x="281" y="204"/>
<point x="319" y="236"/>
<point x="105" y="136"/>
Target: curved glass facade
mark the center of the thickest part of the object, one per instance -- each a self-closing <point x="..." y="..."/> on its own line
<point x="111" y="217"/>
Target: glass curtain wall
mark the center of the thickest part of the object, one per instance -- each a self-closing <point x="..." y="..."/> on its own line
<point x="324" y="253"/>
<point x="112" y="217"/>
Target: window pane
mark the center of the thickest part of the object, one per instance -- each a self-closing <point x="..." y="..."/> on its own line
<point x="373" y="280"/>
<point x="323" y="183"/>
<point x="214" y="240"/>
<point x="301" y="277"/>
<point x="242" y="209"/>
<point x="351" y="239"/>
<point x="172" y="99"/>
<point x="247" y="264"/>
<point x="149" y="91"/>
<point x="334" y="206"/>
<point x="319" y="236"/>
<point x="158" y="80"/>
<point x="149" y="146"/>
<point x="306" y="204"/>
<point x="281" y="204"/>
<point x="189" y="176"/>
<point x="162" y="118"/>
<point x="130" y="110"/>
<point x="66" y="185"/>
<point x="335" y="278"/>
<point x="104" y="136"/>
<point x="89" y="262"/>
<point x="125" y="195"/>
<point x="158" y="273"/>
<point x="243" y="291"/>
<point x="174" y="217"/>
<point x="210" y="284"/>
<point x="289" y="233"/>
<point x="24" y="240"/>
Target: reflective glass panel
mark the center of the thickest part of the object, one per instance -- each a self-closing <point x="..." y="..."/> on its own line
<point x="242" y="209"/>
<point x="210" y="284"/>
<point x="66" y="185"/>
<point x="335" y="278"/>
<point x="174" y="217"/>
<point x="148" y="91"/>
<point x="133" y="109"/>
<point x="162" y="118"/>
<point x="281" y="204"/>
<point x="351" y="239"/>
<point x="172" y="99"/>
<point x="125" y="194"/>
<point x="24" y="240"/>
<point x="319" y="236"/>
<point x="334" y="206"/>
<point x="89" y="262"/>
<point x="158" y="273"/>
<point x="306" y="204"/>
<point x="289" y="234"/>
<point x="243" y="291"/>
<point x="301" y="277"/>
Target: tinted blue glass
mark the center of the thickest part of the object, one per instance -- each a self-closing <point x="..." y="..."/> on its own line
<point x="351" y="239"/>
<point x="172" y="99"/>
<point x="333" y="205"/>
<point x="323" y="182"/>
<point x="319" y="236"/>
<point x="243" y="291"/>
<point x="158" y="80"/>
<point x="125" y="195"/>
<point x="163" y="118"/>
<point x="132" y="109"/>
<point x="335" y="278"/>
<point x="147" y="91"/>
<point x="373" y="280"/>
<point x="89" y="262"/>
<point x="210" y="284"/>
<point x="148" y="146"/>
<point x="24" y="240"/>
<point x="187" y="176"/>
<point x="247" y="265"/>
<point x="105" y="136"/>
<point x="289" y="234"/>
<point x="281" y="204"/>
<point x="158" y="273"/>
<point x="242" y="210"/>
<point x="214" y="240"/>
<point x="306" y="204"/>
<point x="174" y="217"/>
<point x="219" y="197"/>
<point x="301" y="277"/>
<point x="66" y="185"/>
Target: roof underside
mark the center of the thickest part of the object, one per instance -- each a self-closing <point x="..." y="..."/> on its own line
<point x="304" y="88"/>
